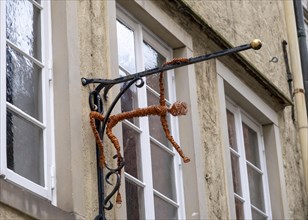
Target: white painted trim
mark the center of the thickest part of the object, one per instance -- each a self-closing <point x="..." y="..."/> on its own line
<point x="50" y="167"/>
<point x="134" y="180"/>
<point x="27" y="117"/>
<point x="226" y="148"/>
<point x="163" y="147"/>
<point x="166" y="199"/>
<point x="246" y="92"/>
<point x="36" y="4"/>
<point x="23" y="182"/>
<point x="31" y="58"/>
<point x="3" y="160"/>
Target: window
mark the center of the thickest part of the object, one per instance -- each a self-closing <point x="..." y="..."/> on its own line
<point x="249" y="174"/>
<point x="25" y="94"/>
<point x="152" y="171"/>
<point x="253" y="157"/>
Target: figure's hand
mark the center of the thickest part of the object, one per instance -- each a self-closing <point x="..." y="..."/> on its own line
<point x="178" y="108"/>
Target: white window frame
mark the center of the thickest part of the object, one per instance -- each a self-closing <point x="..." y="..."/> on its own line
<point x="240" y="116"/>
<point x="142" y="33"/>
<point x="248" y="100"/>
<point x="47" y="95"/>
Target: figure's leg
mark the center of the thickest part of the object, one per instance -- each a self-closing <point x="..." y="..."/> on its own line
<point x="114" y="141"/>
<point x="164" y="123"/>
<point x="95" y="115"/>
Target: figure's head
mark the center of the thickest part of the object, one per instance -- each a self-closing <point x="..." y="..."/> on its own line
<point x="178" y="108"/>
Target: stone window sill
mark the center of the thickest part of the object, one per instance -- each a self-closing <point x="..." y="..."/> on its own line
<point x="30" y="204"/>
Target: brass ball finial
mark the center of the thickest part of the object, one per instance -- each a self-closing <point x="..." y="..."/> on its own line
<point x="256" y="44"/>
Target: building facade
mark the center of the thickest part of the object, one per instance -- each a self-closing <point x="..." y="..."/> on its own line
<point x="242" y="131"/>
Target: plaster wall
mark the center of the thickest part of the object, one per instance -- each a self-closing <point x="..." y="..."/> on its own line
<point x="94" y="63"/>
<point x="241" y="21"/>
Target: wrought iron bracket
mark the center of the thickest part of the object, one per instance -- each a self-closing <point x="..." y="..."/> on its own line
<point x="96" y="104"/>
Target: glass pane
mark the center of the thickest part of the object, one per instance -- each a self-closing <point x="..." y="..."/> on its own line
<point x="231" y="130"/>
<point x="239" y="209"/>
<point x="251" y="145"/>
<point x="126" y="47"/>
<point x="23" y="26"/>
<point x="153" y="59"/>
<point x="156" y="129"/>
<point x="129" y="102"/>
<point x="25" y="152"/>
<point x="23" y="80"/>
<point x="134" y="201"/>
<point x="236" y="175"/>
<point x="163" y="171"/>
<point x="257" y="215"/>
<point x="131" y="144"/>
<point x="255" y="188"/>
<point x="164" y="210"/>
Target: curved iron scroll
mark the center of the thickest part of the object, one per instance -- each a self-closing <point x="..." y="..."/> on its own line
<point x="96" y="104"/>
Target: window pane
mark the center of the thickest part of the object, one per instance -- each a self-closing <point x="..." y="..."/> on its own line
<point x="25" y="152"/>
<point x="156" y="129"/>
<point x="164" y="210"/>
<point x="231" y="130"/>
<point x="163" y="171"/>
<point x="129" y="102"/>
<point x="239" y="208"/>
<point x="257" y="215"/>
<point x="126" y="47"/>
<point x="251" y="145"/>
<point x="23" y="80"/>
<point x="23" y="26"/>
<point x="236" y="176"/>
<point x="153" y="59"/>
<point x="255" y="188"/>
<point x="134" y="201"/>
<point x="131" y="143"/>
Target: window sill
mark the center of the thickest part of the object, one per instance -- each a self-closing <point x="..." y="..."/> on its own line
<point x="31" y="204"/>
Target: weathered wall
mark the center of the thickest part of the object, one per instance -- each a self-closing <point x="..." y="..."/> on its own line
<point x="241" y="21"/>
<point x="93" y="64"/>
<point x="7" y="213"/>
